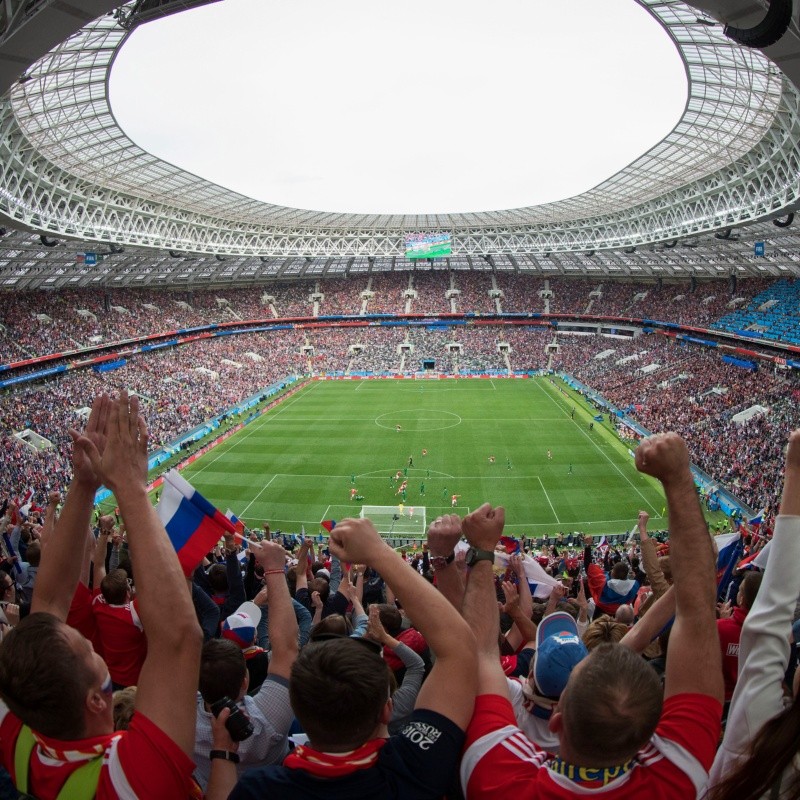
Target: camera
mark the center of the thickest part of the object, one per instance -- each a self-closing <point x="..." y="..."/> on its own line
<point x="238" y="725"/>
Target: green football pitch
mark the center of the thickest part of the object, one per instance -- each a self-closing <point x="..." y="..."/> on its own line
<point x="484" y="440"/>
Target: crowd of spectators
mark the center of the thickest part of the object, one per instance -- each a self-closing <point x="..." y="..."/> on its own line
<point x="476" y="666"/>
<point x="664" y="384"/>
<point x="661" y="383"/>
<point x="179" y="389"/>
<point x="41" y="323"/>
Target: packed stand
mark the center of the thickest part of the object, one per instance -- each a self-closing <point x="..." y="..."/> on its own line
<point x="474" y="290"/>
<point x="118" y="314"/>
<point x="136" y="663"/>
<point x="210" y="375"/>
<point x="431" y="288"/>
<point x="696" y="394"/>
<point x="342" y="296"/>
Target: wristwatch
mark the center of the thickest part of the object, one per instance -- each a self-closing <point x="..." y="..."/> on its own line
<point x="474" y="555"/>
<point x="441" y="562"/>
<point x="224" y="755"/>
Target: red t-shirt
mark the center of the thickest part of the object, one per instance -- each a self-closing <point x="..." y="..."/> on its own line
<point x="500" y="761"/>
<point x="730" y="631"/>
<point x="124" y="643"/>
<point x="142" y="762"/>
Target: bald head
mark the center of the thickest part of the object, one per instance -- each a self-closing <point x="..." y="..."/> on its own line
<point x="624" y="615"/>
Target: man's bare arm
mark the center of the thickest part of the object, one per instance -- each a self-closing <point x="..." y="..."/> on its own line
<point x="483" y="528"/>
<point x="693" y="639"/>
<point x="62" y="558"/>
<point x="450" y="688"/>
<point x="442" y="540"/>
<point x="167" y="686"/>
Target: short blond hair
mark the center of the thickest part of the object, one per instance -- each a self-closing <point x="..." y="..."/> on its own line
<point x="604" y="630"/>
<point x="124" y="701"/>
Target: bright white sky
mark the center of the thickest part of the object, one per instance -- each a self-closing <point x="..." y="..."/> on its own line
<point x="425" y="106"/>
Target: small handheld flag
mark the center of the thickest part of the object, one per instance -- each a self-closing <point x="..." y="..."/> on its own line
<point x="192" y="523"/>
<point x="510" y="544"/>
<point x="328" y="524"/>
<point x="237" y="523"/>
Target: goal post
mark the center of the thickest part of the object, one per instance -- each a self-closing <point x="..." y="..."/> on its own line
<point x="400" y="520"/>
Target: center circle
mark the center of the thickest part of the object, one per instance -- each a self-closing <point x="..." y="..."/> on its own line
<point x="418" y="419"/>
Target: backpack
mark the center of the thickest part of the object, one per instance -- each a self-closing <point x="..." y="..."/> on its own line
<point x="81" y="785"/>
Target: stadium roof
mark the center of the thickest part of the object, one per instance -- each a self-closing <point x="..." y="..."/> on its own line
<point x="67" y="171"/>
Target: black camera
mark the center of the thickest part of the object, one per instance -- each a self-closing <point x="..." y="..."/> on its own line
<point x="238" y="725"/>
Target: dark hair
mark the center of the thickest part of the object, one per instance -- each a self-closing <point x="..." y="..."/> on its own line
<point x="772" y="750"/>
<point x="43" y="680"/>
<point x="320" y="585"/>
<point x="115" y="587"/>
<point x="611" y="706"/>
<point x="218" y="578"/>
<point x="391" y="618"/>
<point x="749" y="588"/>
<point x="619" y="571"/>
<point x="33" y="554"/>
<point x="222" y="670"/>
<point x="332" y="624"/>
<point x="125" y="564"/>
<point x="338" y="689"/>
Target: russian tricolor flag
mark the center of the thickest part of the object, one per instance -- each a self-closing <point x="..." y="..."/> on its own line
<point x="730" y="551"/>
<point x="192" y="523"/>
<point x="237" y="523"/>
<point x="510" y="544"/>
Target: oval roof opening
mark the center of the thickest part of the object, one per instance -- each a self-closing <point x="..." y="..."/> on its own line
<point x="362" y="107"/>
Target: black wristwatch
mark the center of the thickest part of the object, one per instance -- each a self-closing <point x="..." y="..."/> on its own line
<point x="474" y="555"/>
<point x="224" y="755"/>
<point x="441" y="562"/>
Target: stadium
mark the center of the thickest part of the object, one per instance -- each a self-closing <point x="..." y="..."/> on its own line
<point x="294" y="387"/>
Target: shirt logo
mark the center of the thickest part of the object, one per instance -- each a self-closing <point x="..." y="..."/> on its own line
<point x="421" y="734"/>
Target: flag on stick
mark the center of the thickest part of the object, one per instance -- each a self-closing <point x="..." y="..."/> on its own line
<point x="192" y="523"/>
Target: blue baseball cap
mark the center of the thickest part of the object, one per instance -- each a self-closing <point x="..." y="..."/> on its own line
<point x="559" y="650"/>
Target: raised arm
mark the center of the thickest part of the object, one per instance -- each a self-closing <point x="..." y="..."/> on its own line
<point x="650" y="558"/>
<point x="282" y="622"/>
<point x="524" y="628"/>
<point x="99" y="558"/>
<point x="483" y="528"/>
<point x="442" y="540"/>
<point x="450" y="687"/>
<point x="693" y="639"/>
<point x="301" y="569"/>
<point x="62" y="559"/>
<point x="764" y="647"/>
<point x="651" y="624"/>
<point x="53" y="499"/>
<point x="167" y="686"/>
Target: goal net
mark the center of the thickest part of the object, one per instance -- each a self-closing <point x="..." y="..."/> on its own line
<point x="402" y="520"/>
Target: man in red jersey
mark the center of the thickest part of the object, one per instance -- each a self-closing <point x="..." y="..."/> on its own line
<point x="117" y="617"/>
<point x="617" y="739"/>
<point x="56" y="726"/>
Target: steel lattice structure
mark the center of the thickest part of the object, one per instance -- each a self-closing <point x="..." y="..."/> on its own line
<point x="68" y="170"/>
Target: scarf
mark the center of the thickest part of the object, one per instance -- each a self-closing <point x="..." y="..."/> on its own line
<point x="333" y="765"/>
